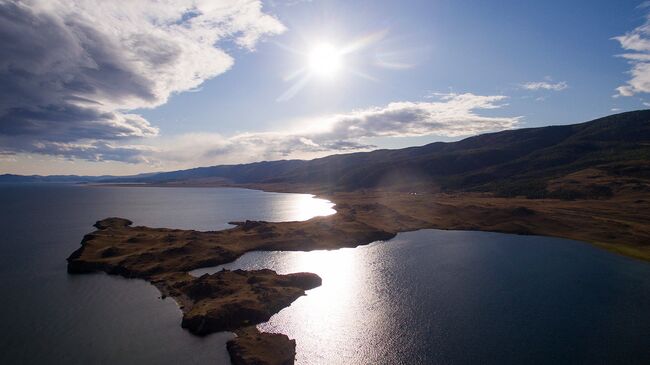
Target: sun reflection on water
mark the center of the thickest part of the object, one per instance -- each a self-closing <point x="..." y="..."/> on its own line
<point x="331" y="321"/>
<point x="319" y="318"/>
<point x="337" y="268"/>
<point x="446" y="297"/>
<point x="304" y="207"/>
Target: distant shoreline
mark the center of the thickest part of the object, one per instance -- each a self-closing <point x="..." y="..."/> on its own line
<point x="583" y="213"/>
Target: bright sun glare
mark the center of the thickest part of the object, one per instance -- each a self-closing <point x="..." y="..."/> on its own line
<point x="325" y="60"/>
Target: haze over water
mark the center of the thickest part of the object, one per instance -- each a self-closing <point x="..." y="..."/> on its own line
<point x="424" y="297"/>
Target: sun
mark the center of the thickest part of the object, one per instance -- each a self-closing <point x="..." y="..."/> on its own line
<point x="325" y="60"/>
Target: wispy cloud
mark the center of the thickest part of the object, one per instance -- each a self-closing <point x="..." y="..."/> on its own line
<point x="444" y="114"/>
<point x="449" y="115"/>
<point x="545" y="85"/>
<point x="71" y="70"/>
<point x="637" y="45"/>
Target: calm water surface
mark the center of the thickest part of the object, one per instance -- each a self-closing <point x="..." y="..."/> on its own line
<point x="456" y="297"/>
<point x="50" y="317"/>
<point x="426" y="297"/>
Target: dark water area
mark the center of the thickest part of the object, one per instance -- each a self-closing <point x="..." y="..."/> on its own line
<point x="50" y="317"/>
<point x="459" y="297"/>
<point x="425" y="297"/>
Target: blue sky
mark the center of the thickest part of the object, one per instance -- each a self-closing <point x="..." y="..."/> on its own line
<point x="420" y="71"/>
<point x="468" y="46"/>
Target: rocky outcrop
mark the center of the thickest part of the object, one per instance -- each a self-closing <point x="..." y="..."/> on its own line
<point x="228" y="300"/>
<point x="252" y="347"/>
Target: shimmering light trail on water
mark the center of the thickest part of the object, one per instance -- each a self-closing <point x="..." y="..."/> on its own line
<point x="304" y="207"/>
<point x="426" y="297"/>
<point x="440" y="297"/>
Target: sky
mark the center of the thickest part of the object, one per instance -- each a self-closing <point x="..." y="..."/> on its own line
<point x="114" y="87"/>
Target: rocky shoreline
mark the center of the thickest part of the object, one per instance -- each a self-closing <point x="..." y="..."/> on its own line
<point x="237" y="300"/>
<point x="254" y="347"/>
<point x="227" y="300"/>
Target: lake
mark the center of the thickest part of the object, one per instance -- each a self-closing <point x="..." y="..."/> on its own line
<point x="50" y="317"/>
<point x="425" y="297"/>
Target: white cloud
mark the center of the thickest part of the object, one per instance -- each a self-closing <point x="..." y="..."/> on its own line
<point x="71" y="70"/>
<point x="637" y="43"/>
<point x="545" y="85"/>
<point x="451" y="115"/>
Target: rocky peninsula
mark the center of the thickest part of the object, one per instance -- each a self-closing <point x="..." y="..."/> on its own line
<point x="227" y="300"/>
<point x="238" y="300"/>
<point x="587" y="182"/>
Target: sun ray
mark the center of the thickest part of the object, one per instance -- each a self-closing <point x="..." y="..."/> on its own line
<point x="295" y="88"/>
<point x="295" y="74"/>
<point x="325" y="60"/>
<point x="363" y="75"/>
<point x="364" y="41"/>
<point x="289" y="49"/>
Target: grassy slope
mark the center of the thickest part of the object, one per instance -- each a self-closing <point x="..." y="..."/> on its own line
<point x="509" y="163"/>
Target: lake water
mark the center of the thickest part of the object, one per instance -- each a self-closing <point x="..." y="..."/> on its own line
<point x="50" y="317"/>
<point x="425" y="297"/>
<point x="458" y="297"/>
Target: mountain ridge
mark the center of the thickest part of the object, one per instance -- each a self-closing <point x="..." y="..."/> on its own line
<point x="507" y="163"/>
<point x="519" y="162"/>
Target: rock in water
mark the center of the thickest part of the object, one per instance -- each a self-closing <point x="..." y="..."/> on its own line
<point x="252" y="347"/>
